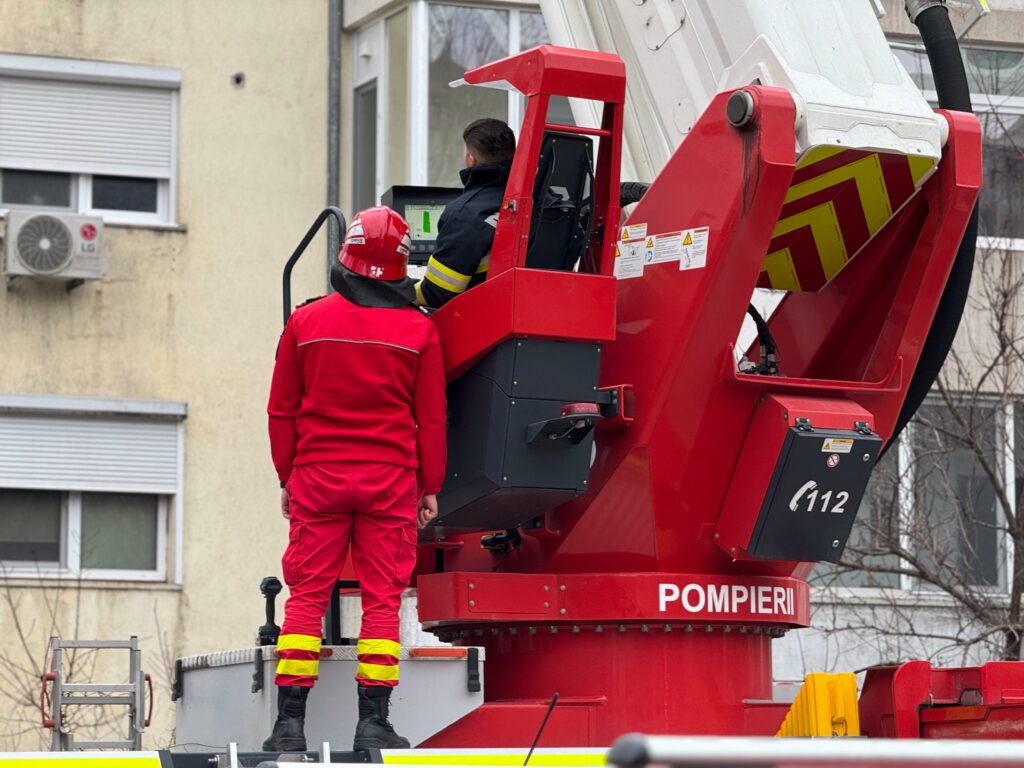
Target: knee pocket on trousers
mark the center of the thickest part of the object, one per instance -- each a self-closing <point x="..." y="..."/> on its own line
<point x="405" y="555"/>
<point x="291" y="563"/>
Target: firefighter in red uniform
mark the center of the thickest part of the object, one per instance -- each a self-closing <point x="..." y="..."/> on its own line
<point x="357" y="433"/>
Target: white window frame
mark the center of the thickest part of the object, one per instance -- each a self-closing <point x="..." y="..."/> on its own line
<point x="419" y="80"/>
<point x="170" y="507"/>
<point x="70" y="564"/>
<point x="980" y="103"/>
<point x="909" y="591"/>
<point x="112" y="73"/>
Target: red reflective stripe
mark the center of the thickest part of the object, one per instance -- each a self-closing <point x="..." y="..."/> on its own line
<point x="296" y="654"/>
<point x="383" y="659"/>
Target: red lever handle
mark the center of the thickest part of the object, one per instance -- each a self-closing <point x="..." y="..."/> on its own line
<point x="48" y="677"/>
<point x="149" y="709"/>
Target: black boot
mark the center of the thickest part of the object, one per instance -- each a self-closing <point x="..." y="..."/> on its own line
<point x="373" y="731"/>
<point x="288" y="735"/>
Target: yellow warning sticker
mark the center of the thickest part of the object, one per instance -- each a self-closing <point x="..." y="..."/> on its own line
<point x="688" y="240"/>
<point x="629" y="258"/>
<point x="633" y="231"/>
<point x="837" y="445"/>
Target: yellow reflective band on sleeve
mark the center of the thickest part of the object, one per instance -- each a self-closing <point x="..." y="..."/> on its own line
<point x="298" y="643"/>
<point x="419" y="294"/>
<point x="485" y="264"/>
<point x="298" y="667"/>
<point x="377" y="671"/>
<point x="378" y="648"/>
<point x="446" y="277"/>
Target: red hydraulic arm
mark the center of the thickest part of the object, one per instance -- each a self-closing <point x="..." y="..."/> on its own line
<point x="645" y="602"/>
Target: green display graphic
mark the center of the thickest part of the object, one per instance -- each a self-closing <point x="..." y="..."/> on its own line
<point x="423" y="221"/>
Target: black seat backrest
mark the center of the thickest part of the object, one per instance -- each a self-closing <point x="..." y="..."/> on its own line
<point x="562" y="202"/>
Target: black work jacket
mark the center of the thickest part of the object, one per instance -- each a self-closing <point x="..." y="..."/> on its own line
<point x="465" y="233"/>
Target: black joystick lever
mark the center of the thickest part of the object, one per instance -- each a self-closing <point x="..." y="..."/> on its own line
<point x="270" y="587"/>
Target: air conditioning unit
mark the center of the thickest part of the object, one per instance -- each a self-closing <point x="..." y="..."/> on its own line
<point x="54" y="246"/>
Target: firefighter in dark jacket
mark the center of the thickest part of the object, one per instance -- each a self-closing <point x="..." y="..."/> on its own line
<point x="465" y="230"/>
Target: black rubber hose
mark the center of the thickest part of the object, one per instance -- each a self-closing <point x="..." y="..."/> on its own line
<point x="954" y="93"/>
<point x="631" y="191"/>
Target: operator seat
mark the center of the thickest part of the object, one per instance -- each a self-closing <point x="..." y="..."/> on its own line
<point x="562" y="203"/>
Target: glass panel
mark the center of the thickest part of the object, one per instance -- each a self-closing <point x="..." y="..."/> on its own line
<point x="874" y="537"/>
<point x="955" y="528"/>
<point x="533" y="32"/>
<point x="37" y="188"/>
<point x="990" y="72"/>
<point x="994" y="72"/>
<point x="460" y="39"/>
<point x="30" y="526"/>
<point x="119" y="531"/>
<point x="1002" y="196"/>
<point x="993" y="75"/>
<point x="396" y="161"/>
<point x="122" y="193"/>
<point x="364" y="147"/>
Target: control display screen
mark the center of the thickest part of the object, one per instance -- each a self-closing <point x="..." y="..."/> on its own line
<point x="423" y="221"/>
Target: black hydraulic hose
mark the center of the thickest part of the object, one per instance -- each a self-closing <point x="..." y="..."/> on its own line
<point x="954" y="93"/>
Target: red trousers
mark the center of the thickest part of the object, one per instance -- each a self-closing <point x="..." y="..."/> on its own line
<point x="373" y="507"/>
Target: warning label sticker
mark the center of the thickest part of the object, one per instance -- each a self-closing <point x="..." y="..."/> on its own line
<point x="667" y="247"/>
<point x="629" y="258"/>
<point x="633" y="231"/>
<point x="837" y="445"/>
<point x="694" y="247"/>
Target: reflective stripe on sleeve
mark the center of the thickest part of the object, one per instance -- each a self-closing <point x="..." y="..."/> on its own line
<point x="446" y="277"/>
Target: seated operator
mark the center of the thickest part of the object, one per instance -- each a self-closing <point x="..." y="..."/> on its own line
<point x="465" y="230"/>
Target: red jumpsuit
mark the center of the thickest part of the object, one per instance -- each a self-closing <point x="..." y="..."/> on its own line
<point x="357" y="432"/>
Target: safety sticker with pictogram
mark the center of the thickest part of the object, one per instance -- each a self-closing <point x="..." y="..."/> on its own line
<point x="633" y="231"/>
<point x="837" y="445"/>
<point x="629" y="258"/>
<point x="694" y="247"/>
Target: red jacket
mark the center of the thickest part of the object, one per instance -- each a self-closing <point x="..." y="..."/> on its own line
<point x="354" y="383"/>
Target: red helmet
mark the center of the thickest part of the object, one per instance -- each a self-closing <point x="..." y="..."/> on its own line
<point x="377" y="244"/>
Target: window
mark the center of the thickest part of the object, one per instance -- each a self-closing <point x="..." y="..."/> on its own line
<point x="412" y="56"/>
<point x="90" y="488"/>
<point x="89" y="137"/>
<point x="931" y="497"/>
<point x="460" y="39"/>
<point x="996" y="79"/>
<point x="88" y="535"/>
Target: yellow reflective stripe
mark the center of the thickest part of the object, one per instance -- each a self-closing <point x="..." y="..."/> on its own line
<point x="508" y="757"/>
<point x="866" y="173"/>
<point x="419" y="294"/>
<point x="78" y="760"/>
<point x="298" y="643"/>
<point x="485" y="264"/>
<point x="828" y="237"/>
<point x="447" y="271"/>
<point x="301" y="667"/>
<point x="377" y="671"/>
<point x="919" y="167"/>
<point x="378" y="648"/>
<point x="442" y="283"/>
<point x="818" y="153"/>
<point x="781" y="272"/>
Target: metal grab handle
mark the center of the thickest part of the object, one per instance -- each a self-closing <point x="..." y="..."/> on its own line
<point x="286" y="277"/>
<point x="48" y="677"/>
<point x="149" y="709"/>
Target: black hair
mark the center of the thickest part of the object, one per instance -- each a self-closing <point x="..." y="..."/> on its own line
<point x="492" y="141"/>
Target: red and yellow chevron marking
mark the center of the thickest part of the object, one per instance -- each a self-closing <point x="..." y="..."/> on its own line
<point x="838" y="200"/>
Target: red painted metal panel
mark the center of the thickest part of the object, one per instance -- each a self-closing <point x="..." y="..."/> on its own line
<point x="772" y="420"/>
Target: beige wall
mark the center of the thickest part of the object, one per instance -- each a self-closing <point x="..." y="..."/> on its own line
<point x="188" y="315"/>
